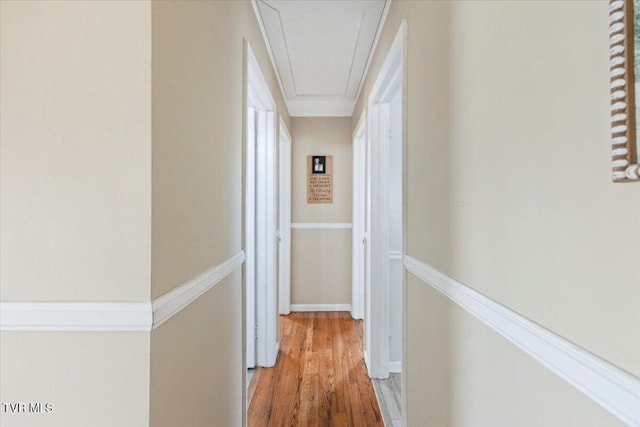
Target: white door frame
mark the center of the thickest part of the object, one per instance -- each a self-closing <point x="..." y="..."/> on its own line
<point x="249" y="238"/>
<point x="284" y="277"/>
<point x="359" y="237"/>
<point x="389" y="80"/>
<point x="261" y="223"/>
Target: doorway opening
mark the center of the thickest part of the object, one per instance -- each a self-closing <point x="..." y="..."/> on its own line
<point x="260" y="219"/>
<point x="379" y="225"/>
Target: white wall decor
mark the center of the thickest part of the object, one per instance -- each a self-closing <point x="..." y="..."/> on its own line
<point x="625" y="64"/>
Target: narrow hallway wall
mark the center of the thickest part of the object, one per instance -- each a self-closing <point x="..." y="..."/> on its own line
<point x="509" y="192"/>
<point x="198" y="102"/>
<point x="122" y="179"/>
<point x="321" y="257"/>
<point x="75" y="208"/>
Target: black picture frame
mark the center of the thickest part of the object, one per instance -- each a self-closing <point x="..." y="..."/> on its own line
<point x="318" y="164"/>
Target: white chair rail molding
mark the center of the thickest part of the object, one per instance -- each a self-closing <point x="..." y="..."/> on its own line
<point x="112" y="316"/>
<point x="612" y="388"/>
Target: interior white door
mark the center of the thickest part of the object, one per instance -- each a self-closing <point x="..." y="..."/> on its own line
<point x="261" y="214"/>
<point x="366" y="266"/>
<point x="261" y="237"/>
<point x="266" y="240"/>
<point x="271" y="200"/>
<point x="284" y="273"/>
<point x="395" y="232"/>
<point x="250" y="236"/>
<point x="377" y="316"/>
<point x="358" y="231"/>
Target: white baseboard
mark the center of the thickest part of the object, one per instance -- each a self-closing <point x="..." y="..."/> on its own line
<point x="395" y="367"/>
<point x="112" y="316"/>
<point x="321" y="225"/>
<point x="612" y="388"/>
<point x="320" y="307"/>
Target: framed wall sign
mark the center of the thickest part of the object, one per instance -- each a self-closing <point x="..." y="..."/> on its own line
<point x="319" y="179"/>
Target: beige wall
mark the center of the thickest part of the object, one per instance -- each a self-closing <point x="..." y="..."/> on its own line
<point x="560" y="194"/>
<point x="75" y="204"/>
<point x="321" y="259"/>
<point x="80" y="113"/>
<point x="197" y="134"/>
<point x="196" y="362"/>
<point x="463" y="374"/>
<point x="321" y="267"/>
<point x="75" y="138"/>
<point x="198" y="104"/>
<point x="90" y="379"/>
<point x="329" y="136"/>
<point x="509" y="191"/>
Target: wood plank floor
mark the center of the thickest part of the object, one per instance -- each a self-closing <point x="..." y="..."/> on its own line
<point x="319" y="379"/>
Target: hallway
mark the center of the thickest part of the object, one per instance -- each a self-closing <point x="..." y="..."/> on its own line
<point x="461" y="177"/>
<point x="320" y="378"/>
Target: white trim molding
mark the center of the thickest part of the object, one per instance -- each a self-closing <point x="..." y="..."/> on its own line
<point x="112" y="316"/>
<point x="395" y="366"/>
<point x="321" y="225"/>
<point x="167" y="305"/>
<point x="610" y="387"/>
<point x="379" y="174"/>
<point x="75" y="316"/>
<point x="320" y="307"/>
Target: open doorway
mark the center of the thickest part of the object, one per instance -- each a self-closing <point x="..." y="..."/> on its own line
<point x="260" y="219"/>
<point x="379" y="232"/>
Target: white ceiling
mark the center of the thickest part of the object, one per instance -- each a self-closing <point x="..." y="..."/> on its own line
<point x="320" y="50"/>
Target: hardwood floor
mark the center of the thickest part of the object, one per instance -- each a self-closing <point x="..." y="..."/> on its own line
<point x="320" y="378"/>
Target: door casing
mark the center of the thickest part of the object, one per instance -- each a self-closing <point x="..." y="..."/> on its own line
<point x="377" y="321"/>
<point x="260" y="220"/>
